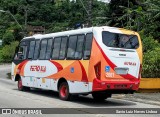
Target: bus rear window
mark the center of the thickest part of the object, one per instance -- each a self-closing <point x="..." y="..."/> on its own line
<point x="120" y="40"/>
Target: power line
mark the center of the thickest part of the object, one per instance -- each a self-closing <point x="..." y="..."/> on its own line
<point x="84" y="7"/>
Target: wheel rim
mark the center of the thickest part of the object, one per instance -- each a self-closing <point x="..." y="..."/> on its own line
<point x="63" y="91"/>
<point x="20" y="84"/>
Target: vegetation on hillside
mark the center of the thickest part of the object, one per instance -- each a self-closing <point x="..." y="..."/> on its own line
<point x="142" y="16"/>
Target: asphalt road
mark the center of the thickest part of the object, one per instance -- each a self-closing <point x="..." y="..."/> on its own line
<point x="10" y="97"/>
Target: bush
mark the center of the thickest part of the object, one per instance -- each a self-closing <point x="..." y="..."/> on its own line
<point x="151" y="57"/>
<point x="151" y="64"/>
<point x="8" y="37"/>
<point x="149" y="43"/>
<point x="7" y="52"/>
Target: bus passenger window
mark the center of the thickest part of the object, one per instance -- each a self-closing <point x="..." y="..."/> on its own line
<point x="36" y="51"/>
<point x="49" y="46"/>
<point x="43" y="49"/>
<point x="31" y="49"/>
<point x="88" y="45"/>
<point x="79" y="48"/>
<point x="56" y="48"/>
<point x="71" y="47"/>
<point x="62" y="52"/>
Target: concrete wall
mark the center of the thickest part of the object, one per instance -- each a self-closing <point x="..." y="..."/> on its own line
<point x="149" y="85"/>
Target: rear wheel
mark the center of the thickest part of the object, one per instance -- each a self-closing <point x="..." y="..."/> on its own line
<point x="21" y="87"/>
<point x="64" y="91"/>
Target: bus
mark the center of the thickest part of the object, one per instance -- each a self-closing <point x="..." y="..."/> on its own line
<point x="98" y="60"/>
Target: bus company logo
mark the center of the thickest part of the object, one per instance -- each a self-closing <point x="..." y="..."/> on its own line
<point x="130" y="63"/>
<point x="38" y="68"/>
<point x="107" y="68"/>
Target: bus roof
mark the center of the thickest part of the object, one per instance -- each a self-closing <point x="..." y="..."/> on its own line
<point x="72" y="32"/>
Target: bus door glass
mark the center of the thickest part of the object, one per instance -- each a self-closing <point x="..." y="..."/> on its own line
<point x="21" y="53"/>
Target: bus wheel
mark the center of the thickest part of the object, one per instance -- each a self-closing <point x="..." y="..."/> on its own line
<point x="21" y="87"/>
<point x="99" y="96"/>
<point x="64" y="91"/>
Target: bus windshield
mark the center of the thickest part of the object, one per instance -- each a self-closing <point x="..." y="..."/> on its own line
<point x="118" y="40"/>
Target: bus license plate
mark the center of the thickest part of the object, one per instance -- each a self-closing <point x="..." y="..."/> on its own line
<point x="121" y="71"/>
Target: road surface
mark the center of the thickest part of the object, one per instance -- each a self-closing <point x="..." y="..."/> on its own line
<point x="10" y="97"/>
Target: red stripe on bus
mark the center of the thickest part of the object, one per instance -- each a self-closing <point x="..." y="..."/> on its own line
<point x="84" y="74"/>
<point x="59" y="66"/>
<point x="21" y="64"/>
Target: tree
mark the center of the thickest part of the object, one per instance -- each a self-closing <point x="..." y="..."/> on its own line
<point x="125" y="12"/>
<point x="151" y="66"/>
<point x="7" y="52"/>
<point x="8" y="37"/>
<point x="153" y="18"/>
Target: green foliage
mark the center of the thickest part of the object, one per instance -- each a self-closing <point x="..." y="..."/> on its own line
<point x="8" y="37"/>
<point x="51" y="14"/>
<point x="151" y="57"/>
<point x="58" y="27"/>
<point x="7" y="52"/>
<point x="149" y="43"/>
<point x="151" y="64"/>
<point x="137" y="15"/>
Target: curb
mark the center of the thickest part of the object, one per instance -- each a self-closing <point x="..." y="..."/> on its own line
<point x="149" y="85"/>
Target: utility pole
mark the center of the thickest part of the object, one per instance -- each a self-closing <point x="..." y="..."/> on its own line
<point x="26" y="17"/>
<point x="90" y="13"/>
<point x="25" y="22"/>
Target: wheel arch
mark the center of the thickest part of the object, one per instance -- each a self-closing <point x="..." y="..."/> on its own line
<point x="17" y="77"/>
<point x="60" y="81"/>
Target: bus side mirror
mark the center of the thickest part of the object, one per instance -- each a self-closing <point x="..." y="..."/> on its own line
<point x="20" y="56"/>
<point x="0" y="42"/>
<point x="88" y="56"/>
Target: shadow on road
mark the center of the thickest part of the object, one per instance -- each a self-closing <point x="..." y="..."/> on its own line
<point x="85" y="100"/>
<point x="110" y="102"/>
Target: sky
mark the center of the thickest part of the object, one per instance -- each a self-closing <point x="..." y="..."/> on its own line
<point x="107" y="1"/>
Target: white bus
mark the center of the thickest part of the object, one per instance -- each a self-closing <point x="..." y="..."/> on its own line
<point x="100" y="61"/>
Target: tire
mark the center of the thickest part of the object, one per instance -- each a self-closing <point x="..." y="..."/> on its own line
<point x="85" y="94"/>
<point x="99" y="96"/>
<point x="27" y="88"/>
<point x="21" y="87"/>
<point x="64" y="91"/>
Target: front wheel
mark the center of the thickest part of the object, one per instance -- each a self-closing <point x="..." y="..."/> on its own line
<point x="64" y="91"/>
<point x="21" y="87"/>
